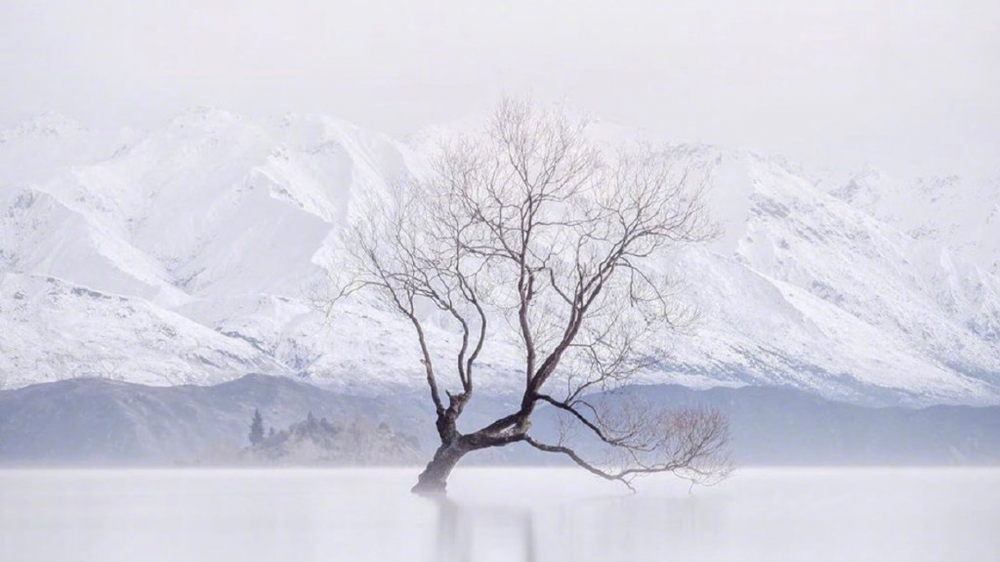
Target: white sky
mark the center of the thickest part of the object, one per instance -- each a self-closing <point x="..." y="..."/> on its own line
<point x="913" y="86"/>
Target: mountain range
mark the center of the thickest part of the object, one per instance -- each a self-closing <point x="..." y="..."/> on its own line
<point x="203" y="250"/>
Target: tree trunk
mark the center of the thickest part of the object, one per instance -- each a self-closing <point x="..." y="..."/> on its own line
<point x="434" y="478"/>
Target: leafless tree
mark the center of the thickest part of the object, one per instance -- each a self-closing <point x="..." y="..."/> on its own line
<point x="530" y="233"/>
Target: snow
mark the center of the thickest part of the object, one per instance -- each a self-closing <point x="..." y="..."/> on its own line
<point x="215" y="229"/>
<point x="52" y="330"/>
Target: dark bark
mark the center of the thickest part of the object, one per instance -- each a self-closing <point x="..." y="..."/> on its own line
<point x="434" y="478"/>
<point x="455" y="445"/>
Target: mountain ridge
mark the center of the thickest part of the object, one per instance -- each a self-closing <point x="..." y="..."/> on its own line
<point x="221" y="227"/>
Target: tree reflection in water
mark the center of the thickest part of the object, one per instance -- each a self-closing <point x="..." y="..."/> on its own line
<point x="468" y="533"/>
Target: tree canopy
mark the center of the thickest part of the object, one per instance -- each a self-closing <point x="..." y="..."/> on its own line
<point x="531" y="234"/>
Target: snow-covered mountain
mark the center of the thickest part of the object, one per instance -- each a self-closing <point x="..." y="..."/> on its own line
<point x="817" y="293"/>
<point x="192" y="254"/>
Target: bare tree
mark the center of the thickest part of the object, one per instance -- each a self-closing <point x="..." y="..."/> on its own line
<point x="530" y="233"/>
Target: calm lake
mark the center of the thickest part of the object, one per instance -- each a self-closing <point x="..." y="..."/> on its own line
<point x="497" y="514"/>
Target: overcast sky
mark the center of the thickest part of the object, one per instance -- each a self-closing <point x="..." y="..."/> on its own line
<point x="909" y="85"/>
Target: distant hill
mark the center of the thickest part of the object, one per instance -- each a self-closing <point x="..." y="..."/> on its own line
<point x="101" y="422"/>
<point x="780" y="426"/>
<point x="96" y="421"/>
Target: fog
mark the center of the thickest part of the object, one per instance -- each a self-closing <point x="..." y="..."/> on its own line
<point x="498" y="514"/>
<point x="907" y="85"/>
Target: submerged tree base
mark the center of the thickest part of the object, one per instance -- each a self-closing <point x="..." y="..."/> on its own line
<point x="434" y="478"/>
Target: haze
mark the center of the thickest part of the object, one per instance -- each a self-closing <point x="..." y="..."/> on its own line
<point x="911" y="86"/>
<point x="916" y="515"/>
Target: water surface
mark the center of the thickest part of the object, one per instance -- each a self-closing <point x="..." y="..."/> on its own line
<point x="497" y="514"/>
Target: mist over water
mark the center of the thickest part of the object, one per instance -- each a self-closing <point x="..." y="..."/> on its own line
<point x="497" y="514"/>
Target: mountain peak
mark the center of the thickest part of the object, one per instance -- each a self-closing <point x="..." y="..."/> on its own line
<point x="206" y="117"/>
